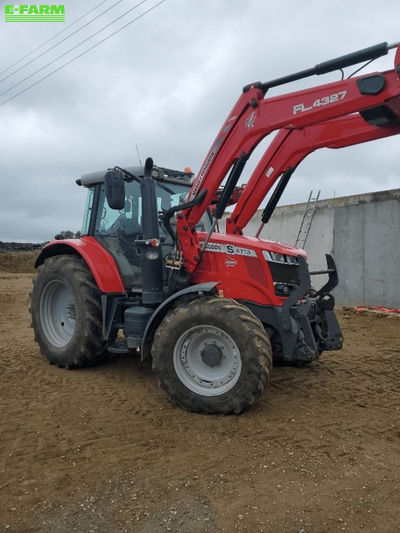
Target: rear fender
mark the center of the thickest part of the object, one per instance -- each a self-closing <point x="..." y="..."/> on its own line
<point x="99" y="261"/>
<point x="162" y="310"/>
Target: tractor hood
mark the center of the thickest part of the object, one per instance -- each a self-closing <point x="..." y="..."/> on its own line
<point x="242" y="245"/>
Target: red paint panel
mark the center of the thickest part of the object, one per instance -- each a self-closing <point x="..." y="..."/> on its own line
<point x="256" y="270"/>
<point x="242" y="277"/>
<point x="100" y="262"/>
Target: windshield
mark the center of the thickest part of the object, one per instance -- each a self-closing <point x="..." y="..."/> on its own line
<point x="117" y="230"/>
<point x="129" y="219"/>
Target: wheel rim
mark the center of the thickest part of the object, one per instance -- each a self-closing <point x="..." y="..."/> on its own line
<point x="207" y="360"/>
<point x="57" y="313"/>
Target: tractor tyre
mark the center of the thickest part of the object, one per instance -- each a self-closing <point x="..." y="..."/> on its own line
<point x="212" y="355"/>
<point x="66" y="313"/>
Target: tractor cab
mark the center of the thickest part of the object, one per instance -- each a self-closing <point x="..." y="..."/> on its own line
<point x="119" y="230"/>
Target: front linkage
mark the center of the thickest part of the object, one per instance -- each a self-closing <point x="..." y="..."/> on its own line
<point x="305" y="325"/>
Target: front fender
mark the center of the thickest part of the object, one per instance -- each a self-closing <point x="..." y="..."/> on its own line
<point x="99" y="261"/>
<point x="162" y="309"/>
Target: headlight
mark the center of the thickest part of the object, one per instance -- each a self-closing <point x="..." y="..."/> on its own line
<point x="283" y="289"/>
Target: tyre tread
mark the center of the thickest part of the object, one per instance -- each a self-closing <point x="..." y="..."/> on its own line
<point x="258" y="358"/>
<point x="90" y="348"/>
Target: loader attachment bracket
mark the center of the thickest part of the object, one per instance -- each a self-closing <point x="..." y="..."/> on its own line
<point x="302" y="290"/>
<point x="333" y="276"/>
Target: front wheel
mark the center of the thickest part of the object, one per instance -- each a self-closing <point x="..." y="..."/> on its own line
<point x="212" y="355"/>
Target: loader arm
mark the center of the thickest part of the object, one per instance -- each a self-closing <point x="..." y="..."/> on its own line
<point x="253" y="117"/>
<point x="289" y="148"/>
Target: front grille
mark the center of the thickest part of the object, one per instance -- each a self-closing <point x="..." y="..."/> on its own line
<point x="284" y="273"/>
<point x="284" y="270"/>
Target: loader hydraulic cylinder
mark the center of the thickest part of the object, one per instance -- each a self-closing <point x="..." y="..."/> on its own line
<point x="366" y="54"/>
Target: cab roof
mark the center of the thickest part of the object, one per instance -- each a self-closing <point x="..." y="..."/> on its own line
<point x="158" y="173"/>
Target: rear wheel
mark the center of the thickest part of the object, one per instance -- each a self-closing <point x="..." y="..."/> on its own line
<point x="66" y="313"/>
<point x="212" y="355"/>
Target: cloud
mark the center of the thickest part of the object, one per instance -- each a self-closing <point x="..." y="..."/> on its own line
<point x="167" y="83"/>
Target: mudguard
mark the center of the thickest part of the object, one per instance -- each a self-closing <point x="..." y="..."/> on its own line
<point x="100" y="262"/>
<point x="162" y="309"/>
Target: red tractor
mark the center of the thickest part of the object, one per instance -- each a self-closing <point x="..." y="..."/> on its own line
<point x="151" y="273"/>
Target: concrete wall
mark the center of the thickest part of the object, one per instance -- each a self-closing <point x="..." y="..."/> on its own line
<point x="362" y="233"/>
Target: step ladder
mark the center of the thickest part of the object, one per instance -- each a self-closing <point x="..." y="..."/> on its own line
<point x="305" y="225"/>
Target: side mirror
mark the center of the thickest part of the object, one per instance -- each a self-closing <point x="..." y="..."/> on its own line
<point x="114" y="187"/>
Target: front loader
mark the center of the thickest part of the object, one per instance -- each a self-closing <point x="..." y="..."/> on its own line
<point x="153" y="273"/>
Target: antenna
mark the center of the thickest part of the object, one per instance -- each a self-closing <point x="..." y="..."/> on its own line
<point x="138" y="155"/>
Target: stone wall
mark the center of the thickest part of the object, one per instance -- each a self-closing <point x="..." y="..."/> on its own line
<point x="362" y="232"/>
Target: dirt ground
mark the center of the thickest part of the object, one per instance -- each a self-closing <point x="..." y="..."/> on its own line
<point x="102" y="449"/>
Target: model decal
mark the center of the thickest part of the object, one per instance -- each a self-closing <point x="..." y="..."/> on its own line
<point x="229" y="249"/>
<point x="319" y="102"/>
<point x="199" y="179"/>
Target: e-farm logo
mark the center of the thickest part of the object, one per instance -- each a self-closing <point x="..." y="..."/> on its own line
<point x="34" y="13"/>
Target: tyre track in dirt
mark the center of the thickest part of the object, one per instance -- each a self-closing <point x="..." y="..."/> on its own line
<point x="102" y="449"/>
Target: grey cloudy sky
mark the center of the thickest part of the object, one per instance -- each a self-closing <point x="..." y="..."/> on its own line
<point x="167" y="83"/>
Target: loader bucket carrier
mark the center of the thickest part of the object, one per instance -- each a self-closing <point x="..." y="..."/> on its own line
<point x="153" y="273"/>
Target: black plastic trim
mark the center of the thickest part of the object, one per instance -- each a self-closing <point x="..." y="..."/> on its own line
<point x="109" y="305"/>
<point x="162" y="309"/>
<point x="255" y="85"/>
<point x="371" y="85"/>
<point x="380" y="116"/>
<point x="94" y="210"/>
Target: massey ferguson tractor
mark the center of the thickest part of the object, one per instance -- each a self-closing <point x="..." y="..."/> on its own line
<point x="153" y="273"/>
